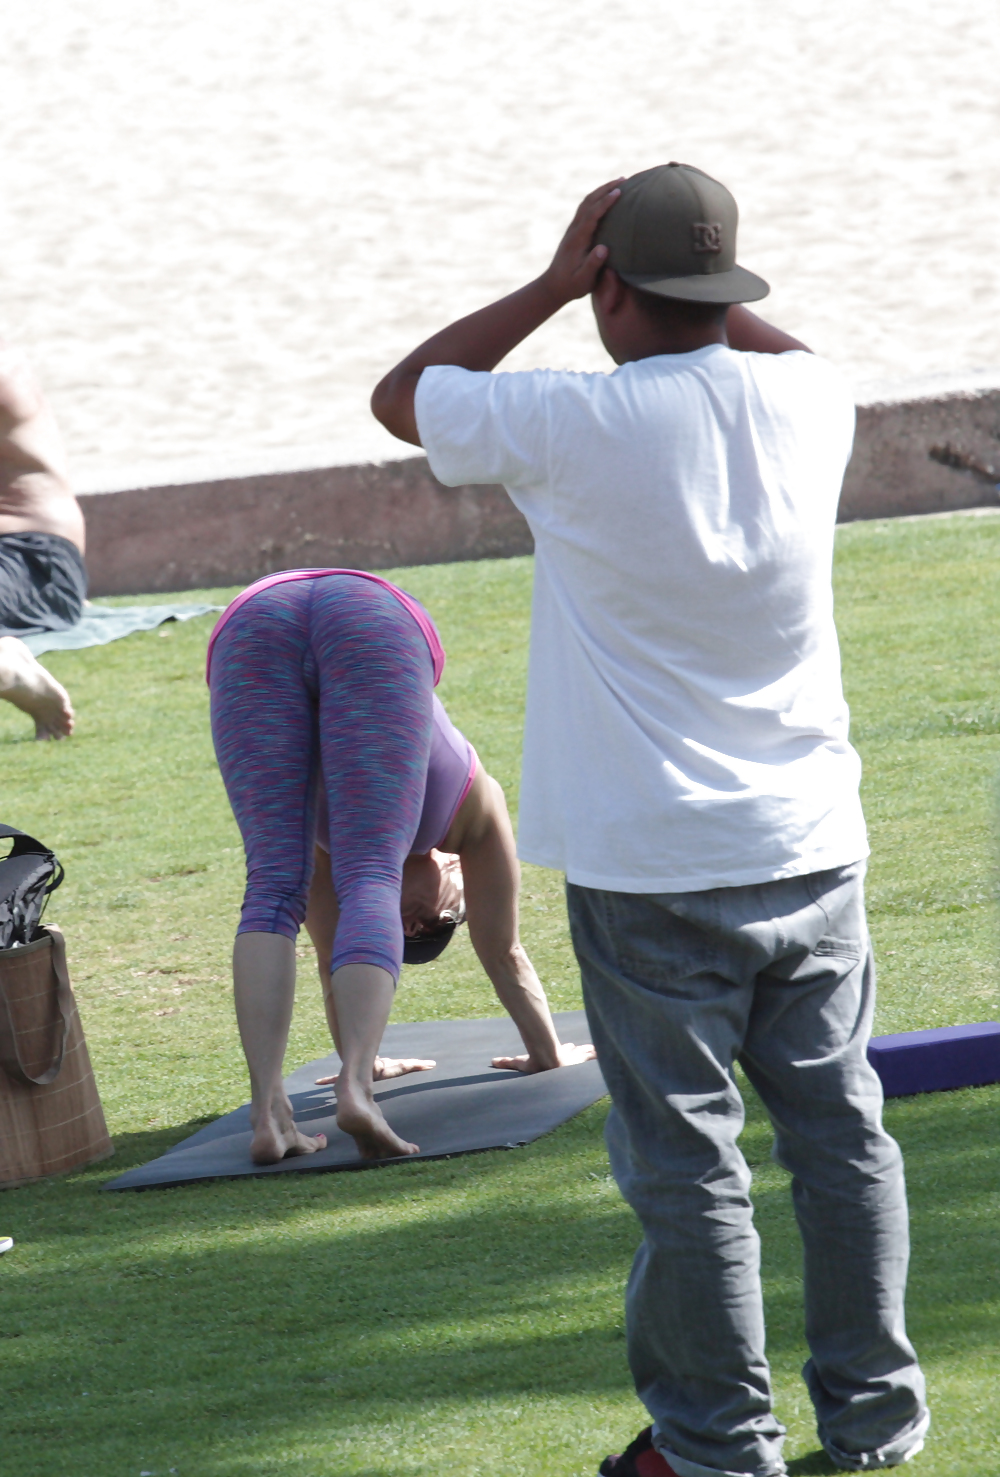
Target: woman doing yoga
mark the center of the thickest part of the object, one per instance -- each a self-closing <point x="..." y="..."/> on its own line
<point x="327" y="730"/>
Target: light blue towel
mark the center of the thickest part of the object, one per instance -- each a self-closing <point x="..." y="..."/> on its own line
<point x="100" y="624"/>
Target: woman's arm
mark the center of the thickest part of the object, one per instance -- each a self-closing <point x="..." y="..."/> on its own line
<point x="482" y="835"/>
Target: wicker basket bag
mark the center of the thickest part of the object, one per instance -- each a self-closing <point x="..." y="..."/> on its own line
<point x="51" y="1118"/>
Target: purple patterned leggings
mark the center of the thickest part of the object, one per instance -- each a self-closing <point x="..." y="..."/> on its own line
<point x="332" y="674"/>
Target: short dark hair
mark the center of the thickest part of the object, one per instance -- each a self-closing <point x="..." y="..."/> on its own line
<point x="672" y="312"/>
<point x="428" y="946"/>
<point x="433" y="941"/>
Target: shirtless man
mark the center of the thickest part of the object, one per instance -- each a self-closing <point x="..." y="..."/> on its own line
<point x="43" y="581"/>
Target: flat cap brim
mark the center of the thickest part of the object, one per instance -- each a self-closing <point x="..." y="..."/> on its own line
<point x="735" y="286"/>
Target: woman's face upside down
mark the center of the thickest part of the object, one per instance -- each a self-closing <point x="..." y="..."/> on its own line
<point x="432" y="890"/>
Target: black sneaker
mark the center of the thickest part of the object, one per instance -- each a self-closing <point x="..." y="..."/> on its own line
<point x="640" y="1459"/>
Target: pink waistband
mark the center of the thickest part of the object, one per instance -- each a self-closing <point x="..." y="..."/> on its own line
<point x="417" y="611"/>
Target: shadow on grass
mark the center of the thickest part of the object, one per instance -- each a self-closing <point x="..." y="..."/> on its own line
<point x="816" y="1464"/>
<point x="219" y="1324"/>
<point x="213" y="1317"/>
<point x="132" y="1149"/>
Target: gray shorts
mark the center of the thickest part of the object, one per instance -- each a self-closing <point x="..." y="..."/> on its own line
<point x="43" y="583"/>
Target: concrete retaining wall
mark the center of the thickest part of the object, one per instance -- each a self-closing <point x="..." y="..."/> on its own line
<point x="231" y="530"/>
<point x="927" y="447"/>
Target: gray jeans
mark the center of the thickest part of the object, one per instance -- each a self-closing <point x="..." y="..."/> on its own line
<point x="779" y="977"/>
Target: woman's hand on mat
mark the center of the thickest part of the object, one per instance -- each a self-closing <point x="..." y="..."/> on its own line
<point x="574" y="268"/>
<point x="389" y="1066"/>
<point x="569" y="1056"/>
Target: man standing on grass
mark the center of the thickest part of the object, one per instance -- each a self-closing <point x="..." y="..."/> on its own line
<point x="687" y="765"/>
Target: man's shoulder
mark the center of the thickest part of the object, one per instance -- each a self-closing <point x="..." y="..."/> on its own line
<point x="451" y="377"/>
<point x="798" y="367"/>
<point x="451" y="396"/>
<point x="652" y="385"/>
<point x="793" y="388"/>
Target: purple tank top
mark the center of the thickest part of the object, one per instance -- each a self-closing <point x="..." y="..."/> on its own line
<point x="450" y="771"/>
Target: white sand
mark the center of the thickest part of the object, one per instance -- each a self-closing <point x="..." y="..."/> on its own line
<point x="222" y="220"/>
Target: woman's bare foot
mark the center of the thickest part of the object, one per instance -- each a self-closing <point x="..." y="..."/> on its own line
<point x="26" y="683"/>
<point x="273" y="1141"/>
<point x="359" y="1115"/>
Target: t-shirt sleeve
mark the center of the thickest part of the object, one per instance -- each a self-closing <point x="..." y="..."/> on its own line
<point x="478" y="427"/>
<point x="819" y="377"/>
<point x="815" y="395"/>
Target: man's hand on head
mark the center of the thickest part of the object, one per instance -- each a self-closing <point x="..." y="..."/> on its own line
<point x="577" y="263"/>
<point x="481" y="340"/>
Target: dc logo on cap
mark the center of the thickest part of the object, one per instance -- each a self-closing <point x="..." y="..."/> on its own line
<point x="707" y="237"/>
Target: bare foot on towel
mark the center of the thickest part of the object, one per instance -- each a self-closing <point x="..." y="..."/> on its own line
<point x="569" y="1056"/>
<point x="274" y="1140"/>
<point x="389" y="1066"/>
<point x="26" y="683"/>
<point x="360" y="1115"/>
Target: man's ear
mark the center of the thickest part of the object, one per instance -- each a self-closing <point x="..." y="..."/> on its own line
<point x="609" y="292"/>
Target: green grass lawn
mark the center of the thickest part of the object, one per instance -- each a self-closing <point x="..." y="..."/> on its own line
<point x="465" y="1316"/>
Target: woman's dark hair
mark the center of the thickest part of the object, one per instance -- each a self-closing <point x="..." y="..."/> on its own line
<point x="429" y="945"/>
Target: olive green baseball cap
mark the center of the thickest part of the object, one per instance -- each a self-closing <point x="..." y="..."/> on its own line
<point x="672" y="231"/>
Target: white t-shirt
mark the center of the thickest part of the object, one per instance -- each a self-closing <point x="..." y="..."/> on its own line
<point x="686" y="725"/>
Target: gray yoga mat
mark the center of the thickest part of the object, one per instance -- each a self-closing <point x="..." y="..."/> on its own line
<point x="100" y="624"/>
<point x="462" y="1106"/>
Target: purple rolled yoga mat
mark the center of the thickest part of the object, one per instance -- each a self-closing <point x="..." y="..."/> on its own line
<point x="937" y="1061"/>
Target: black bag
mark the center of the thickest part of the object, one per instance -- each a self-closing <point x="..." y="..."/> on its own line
<point x="27" y="876"/>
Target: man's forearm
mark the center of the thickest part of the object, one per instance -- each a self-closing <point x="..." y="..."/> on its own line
<point x="747" y="332"/>
<point x="478" y="341"/>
